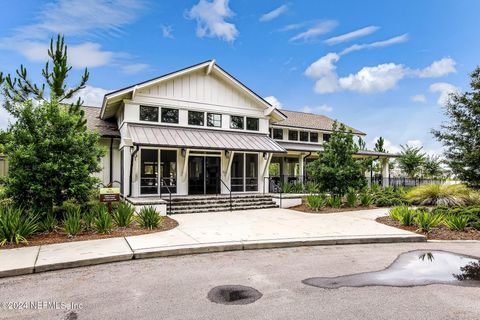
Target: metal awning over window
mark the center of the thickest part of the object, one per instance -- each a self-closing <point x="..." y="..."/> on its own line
<point x="201" y="139"/>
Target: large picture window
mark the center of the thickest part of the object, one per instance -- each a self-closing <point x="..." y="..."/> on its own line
<point x="237" y="122"/>
<point x="252" y="124"/>
<point x="244" y="174"/>
<point x="196" y="118"/>
<point x="214" y="120"/>
<point x="169" y="115"/>
<point x="168" y="171"/>
<point x="148" y="113"/>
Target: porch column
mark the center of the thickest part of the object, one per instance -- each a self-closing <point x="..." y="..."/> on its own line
<point x="302" y="168"/>
<point x="385" y="172"/>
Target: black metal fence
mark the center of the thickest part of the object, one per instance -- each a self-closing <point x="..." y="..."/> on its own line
<point x="403" y="182"/>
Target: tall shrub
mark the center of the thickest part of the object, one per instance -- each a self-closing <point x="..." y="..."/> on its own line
<point x="51" y="153"/>
<point x="336" y="169"/>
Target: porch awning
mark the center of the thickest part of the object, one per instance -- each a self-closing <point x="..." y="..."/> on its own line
<point x="310" y="147"/>
<point x="181" y="137"/>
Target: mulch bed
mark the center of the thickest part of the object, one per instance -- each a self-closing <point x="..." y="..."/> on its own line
<point x="304" y="208"/>
<point x="60" y="237"/>
<point x="439" y="233"/>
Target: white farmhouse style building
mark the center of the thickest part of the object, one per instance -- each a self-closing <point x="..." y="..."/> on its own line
<point x="200" y="131"/>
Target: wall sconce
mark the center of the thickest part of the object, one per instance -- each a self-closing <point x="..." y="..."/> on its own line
<point x="265" y="155"/>
<point x="184" y="152"/>
<point x="227" y="154"/>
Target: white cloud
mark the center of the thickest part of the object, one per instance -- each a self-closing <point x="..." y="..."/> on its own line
<point x="274" y="13"/>
<point x="373" y="79"/>
<point x="91" y="96"/>
<point x="378" y="78"/>
<point x="323" y="66"/>
<point x="274" y="101"/>
<point x="315" y="31"/>
<point x="445" y="89"/>
<point x="73" y="18"/>
<point x="134" y="68"/>
<point x="319" y="109"/>
<point x="415" y="143"/>
<point x="87" y="54"/>
<point x="293" y="26"/>
<point x="351" y="35"/>
<point x="377" y="44"/>
<point x="438" y="68"/>
<point x="211" y="17"/>
<point x="419" y="98"/>
<point x="167" y="31"/>
<point x="81" y="17"/>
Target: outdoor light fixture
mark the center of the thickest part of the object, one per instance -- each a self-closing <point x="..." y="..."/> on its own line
<point x="184" y="152"/>
<point x="265" y="155"/>
<point x="227" y="154"/>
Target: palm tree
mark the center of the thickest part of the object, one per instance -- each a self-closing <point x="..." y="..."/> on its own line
<point x="432" y="168"/>
<point x="411" y="160"/>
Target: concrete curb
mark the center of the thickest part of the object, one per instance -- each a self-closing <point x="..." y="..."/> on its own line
<point x="39" y="263"/>
<point x="268" y="244"/>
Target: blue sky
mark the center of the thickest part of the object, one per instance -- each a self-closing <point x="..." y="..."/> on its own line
<point x="384" y="67"/>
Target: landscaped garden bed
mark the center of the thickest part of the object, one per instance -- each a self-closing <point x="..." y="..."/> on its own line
<point x="59" y="236"/>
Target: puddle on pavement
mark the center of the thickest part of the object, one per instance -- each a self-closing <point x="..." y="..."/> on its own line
<point x="414" y="268"/>
<point x="234" y="295"/>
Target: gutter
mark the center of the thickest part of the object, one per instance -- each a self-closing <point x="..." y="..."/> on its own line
<point x="137" y="148"/>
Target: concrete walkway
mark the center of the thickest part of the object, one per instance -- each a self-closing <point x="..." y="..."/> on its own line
<point x="210" y="232"/>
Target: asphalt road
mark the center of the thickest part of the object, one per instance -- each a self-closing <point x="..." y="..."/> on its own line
<point x="177" y="287"/>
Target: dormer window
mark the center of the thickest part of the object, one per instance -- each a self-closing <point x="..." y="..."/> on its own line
<point x="149" y="113"/>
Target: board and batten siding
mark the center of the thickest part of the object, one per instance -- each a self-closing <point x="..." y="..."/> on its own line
<point x="203" y="88"/>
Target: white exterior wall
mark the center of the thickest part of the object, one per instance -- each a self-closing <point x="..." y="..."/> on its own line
<point x="104" y="174"/>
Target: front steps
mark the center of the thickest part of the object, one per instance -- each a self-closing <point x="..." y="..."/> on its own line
<point x="215" y="203"/>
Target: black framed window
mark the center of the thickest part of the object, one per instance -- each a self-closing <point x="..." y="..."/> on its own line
<point x="168" y="171"/>
<point x="214" y="120"/>
<point x="149" y="113"/>
<point x="196" y="118"/>
<point x="169" y="115"/>
<point x="326" y="137"/>
<point x="237" y="172"/>
<point x="149" y="171"/>
<point x="293" y="135"/>
<point x="277" y="134"/>
<point x="237" y="122"/>
<point x="252" y="124"/>
<point x="303" y="136"/>
<point x="313" y="137"/>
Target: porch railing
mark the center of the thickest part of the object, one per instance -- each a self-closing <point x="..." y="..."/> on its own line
<point x="273" y="187"/>
<point x="230" y="192"/>
<point x="164" y="185"/>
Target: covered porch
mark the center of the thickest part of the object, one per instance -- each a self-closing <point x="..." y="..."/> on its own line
<point x="170" y="161"/>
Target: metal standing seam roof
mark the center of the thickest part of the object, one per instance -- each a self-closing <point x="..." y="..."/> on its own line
<point x="181" y="137"/>
<point x="310" y="147"/>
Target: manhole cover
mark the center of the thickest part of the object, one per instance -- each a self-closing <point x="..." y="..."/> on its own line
<point x="234" y="294"/>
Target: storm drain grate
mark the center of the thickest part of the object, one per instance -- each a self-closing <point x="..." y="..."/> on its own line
<point x="234" y="294"/>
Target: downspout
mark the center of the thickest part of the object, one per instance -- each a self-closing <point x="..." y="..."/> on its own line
<point x="111" y="161"/>
<point x="131" y="171"/>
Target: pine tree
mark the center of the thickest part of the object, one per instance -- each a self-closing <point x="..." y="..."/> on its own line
<point x="461" y="134"/>
<point x="51" y="153"/>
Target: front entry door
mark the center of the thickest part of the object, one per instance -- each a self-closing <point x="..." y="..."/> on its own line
<point x="203" y="175"/>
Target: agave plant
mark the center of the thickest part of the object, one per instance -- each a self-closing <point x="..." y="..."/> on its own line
<point x="123" y="216"/>
<point x="351" y="198"/>
<point x="316" y="202"/>
<point x="149" y="218"/>
<point x="16" y="226"/>
<point x="335" y="201"/>
<point x="366" y="199"/>
<point x="72" y="223"/>
<point x="456" y="222"/>
<point x="103" y="221"/>
<point x="425" y="221"/>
